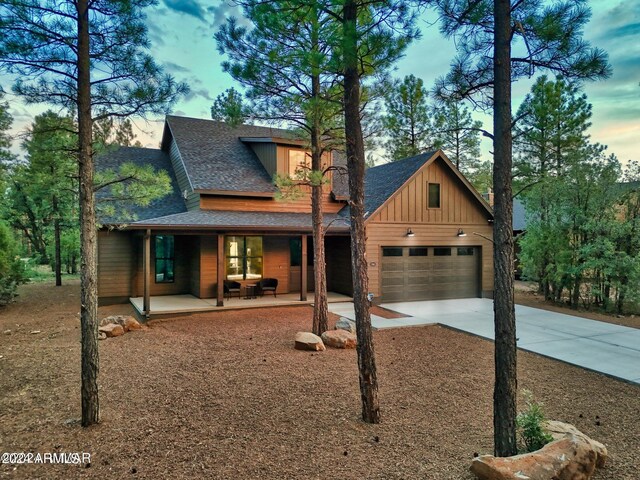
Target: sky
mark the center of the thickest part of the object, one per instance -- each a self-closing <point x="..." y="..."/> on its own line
<point x="181" y="35"/>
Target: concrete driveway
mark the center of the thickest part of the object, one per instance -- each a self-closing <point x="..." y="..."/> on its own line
<point x="603" y="347"/>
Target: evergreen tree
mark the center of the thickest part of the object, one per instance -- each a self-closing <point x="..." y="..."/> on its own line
<point x="87" y="56"/>
<point x="407" y="121"/>
<point x="483" y="70"/>
<point x="285" y="63"/>
<point x="6" y="157"/>
<point x="230" y="108"/>
<point x="457" y="134"/>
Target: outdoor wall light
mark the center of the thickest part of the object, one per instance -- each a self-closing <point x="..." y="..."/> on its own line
<point x="410" y="233"/>
<point x="461" y="233"/>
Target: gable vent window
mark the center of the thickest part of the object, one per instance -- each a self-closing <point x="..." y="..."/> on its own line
<point x="433" y="195"/>
<point x="164" y="258"/>
<point x="298" y="161"/>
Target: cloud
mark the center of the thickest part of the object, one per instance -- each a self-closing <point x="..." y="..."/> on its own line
<point x="226" y="10"/>
<point x="189" y="7"/>
<point x="175" y="68"/>
<point x="156" y="34"/>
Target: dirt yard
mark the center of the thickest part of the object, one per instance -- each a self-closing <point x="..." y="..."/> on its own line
<point x="225" y="396"/>
<point x="526" y="294"/>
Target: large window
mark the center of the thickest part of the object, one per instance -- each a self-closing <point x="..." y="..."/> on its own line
<point x="298" y="159"/>
<point x="244" y="257"/>
<point x="433" y="195"/>
<point x="164" y="258"/>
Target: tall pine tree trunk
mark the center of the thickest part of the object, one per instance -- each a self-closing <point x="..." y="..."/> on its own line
<point x="356" y="167"/>
<point x="88" y="237"/>
<point x="56" y="241"/>
<point x="505" y="390"/>
<point x="320" y="306"/>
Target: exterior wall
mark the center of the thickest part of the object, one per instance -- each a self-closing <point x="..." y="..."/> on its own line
<point x="266" y="153"/>
<point x="246" y="204"/>
<point x="432" y="227"/>
<point x="277" y="261"/>
<point x="208" y="266"/>
<point x="182" y="284"/>
<point x="409" y="205"/>
<point x="115" y="266"/>
<point x="193" y="199"/>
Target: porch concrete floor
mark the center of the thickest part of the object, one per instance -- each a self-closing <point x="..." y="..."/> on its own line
<point x="167" y="304"/>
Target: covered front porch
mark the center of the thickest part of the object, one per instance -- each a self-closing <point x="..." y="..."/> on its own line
<point x="174" y="304"/>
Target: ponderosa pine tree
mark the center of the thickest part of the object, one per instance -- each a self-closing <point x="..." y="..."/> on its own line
<point x="285" y="61"/>
<point x="229" y="107"/>
<point x="89" y="57"/>
<point x="407" y="120"/>
<point x="543" y="35"/>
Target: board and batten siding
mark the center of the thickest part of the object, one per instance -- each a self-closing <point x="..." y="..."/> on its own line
<point x="408" y="208"/>
<point x="192" y="198"/>
<point x="266" y="153"/>
<point x="115" y="266"/>
<point x="409" y="205"/>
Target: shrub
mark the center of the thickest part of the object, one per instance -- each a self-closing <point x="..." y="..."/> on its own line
<point x="11" y="267"/>
<point x="532" y="435"/>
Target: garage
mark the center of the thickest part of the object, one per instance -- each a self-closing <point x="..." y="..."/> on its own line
<point x="430" y="273"/>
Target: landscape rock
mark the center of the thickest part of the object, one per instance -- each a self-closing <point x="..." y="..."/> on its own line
<point x="7" y="332"/>
<point x="131" y="323"/>
<point x="112" y="330"/>
<point x="339" y="339"/>
<point x="346" y="324"/>
<point x="102" y="336"/>
<point x="118" y="320"/>
<point x="569" y="458"/>
<point x="559" y="430"/>
<point x="308" y="341"/>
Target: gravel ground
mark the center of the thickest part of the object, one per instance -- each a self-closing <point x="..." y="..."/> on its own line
<point x="225" y="396"/>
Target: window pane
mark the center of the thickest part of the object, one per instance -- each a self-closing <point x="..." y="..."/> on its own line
<point x="418" y="252"/>
<point x="234" y="246"/>
<point x="462" y="251"/>
<point x="235" y="268"/>
<point x="442" y="252"/>
<point x="434" y="195"/>
<point x="295" y="247"/>
<point x="164" y="254"/>
<point x="392" y="252"/>
<point x="298" y="159"/>
<point x="254" y="268"/>
<point x="254" y="246"/>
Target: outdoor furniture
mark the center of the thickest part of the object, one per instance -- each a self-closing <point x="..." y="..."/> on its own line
<point x="268" y="285"/>
<point x="231" y="287"/>
<point x="250" y="291"/>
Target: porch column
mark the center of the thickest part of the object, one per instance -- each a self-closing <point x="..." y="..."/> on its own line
<point x="220" y="271"/>
<point x="146" y="267"/>
<point x="303" y="269"/>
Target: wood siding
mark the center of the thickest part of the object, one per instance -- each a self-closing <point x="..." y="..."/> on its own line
<point x="183" y="251"/>
<point x="267" y="154"/>
<point x="409" y="205"/>
<point x="208" y="266"/>
<point x="245" y="204"/>
<point x="193" y="199"/>
<point x="115" y="264"/>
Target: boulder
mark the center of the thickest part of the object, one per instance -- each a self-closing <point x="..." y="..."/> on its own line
<point x="309" y="341"/>
<point x="102" y="336"/>
<point x="346" y="324"/>
<point x="112" y="330"/>
<point x="339" y="339"/>
<point x="559" y="430"/>
<point x="569" y="458"/>
<point x="130" y="323"/>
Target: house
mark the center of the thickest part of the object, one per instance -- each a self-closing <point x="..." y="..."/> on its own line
<point x="428" y="230"/>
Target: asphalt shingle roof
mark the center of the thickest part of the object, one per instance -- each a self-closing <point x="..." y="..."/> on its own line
<point x="233" y="219"/>
<point x="169" y="204"/>
<point x="216" y="158"/>
<point x="381" y="182"/>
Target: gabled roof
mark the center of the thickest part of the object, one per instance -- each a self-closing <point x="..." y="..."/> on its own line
<point x="169" y="204"/>
<point x="519" y="216"/>
<point x="383" y="181"/>
<point x="216" y="159"/>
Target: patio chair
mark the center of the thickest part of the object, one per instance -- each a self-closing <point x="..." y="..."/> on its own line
<point x="231" y="287"/>
<point x="268" y="285"/>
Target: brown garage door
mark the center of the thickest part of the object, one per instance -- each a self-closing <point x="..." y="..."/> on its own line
<point x="430" y="273"/>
